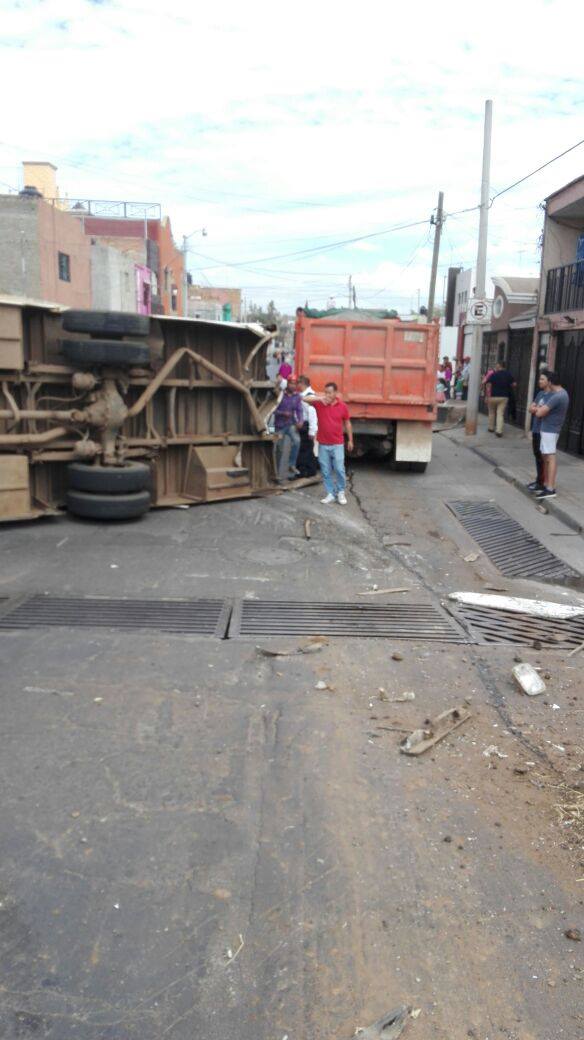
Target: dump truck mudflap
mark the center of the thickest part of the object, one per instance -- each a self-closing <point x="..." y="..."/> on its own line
<point x="413" y="441"/>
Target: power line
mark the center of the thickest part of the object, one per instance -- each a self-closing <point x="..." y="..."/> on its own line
<point x="533" y="172"/>
<point x="314" y="249"/>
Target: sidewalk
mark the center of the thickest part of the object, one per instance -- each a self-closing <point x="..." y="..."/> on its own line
<point x="512" y="459"/>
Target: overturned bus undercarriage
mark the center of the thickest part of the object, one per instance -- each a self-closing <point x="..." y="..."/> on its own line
<point x="108" y="413"/>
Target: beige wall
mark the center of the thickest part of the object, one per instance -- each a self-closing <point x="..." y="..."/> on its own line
<point x="61" y="232"/>
<point x="42" y="176"/>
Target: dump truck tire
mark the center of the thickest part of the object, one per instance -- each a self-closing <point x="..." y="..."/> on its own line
<point x="90" y="352"/>
<point x="108" y="507"/>
<point x="114" y="323"/>
<point x="109" y="480"/>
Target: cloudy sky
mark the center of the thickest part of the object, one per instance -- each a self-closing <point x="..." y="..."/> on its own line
<point x="286" y="129"/>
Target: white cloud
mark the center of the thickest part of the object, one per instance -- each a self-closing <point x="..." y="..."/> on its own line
<point x="239" y="125"/>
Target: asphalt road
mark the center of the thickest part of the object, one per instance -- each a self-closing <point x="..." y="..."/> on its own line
<point x="198" y="843"/>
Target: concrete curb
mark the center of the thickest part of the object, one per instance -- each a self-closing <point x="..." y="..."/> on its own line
<point x="551" y="507"/>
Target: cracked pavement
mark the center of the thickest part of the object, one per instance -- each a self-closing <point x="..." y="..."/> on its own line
<point x="198" y="843"/>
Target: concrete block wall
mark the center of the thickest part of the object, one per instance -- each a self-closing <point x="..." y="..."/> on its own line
<point x="20" y="266"/>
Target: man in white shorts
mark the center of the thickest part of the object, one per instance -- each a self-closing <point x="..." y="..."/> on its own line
<point x="551" y="416"/>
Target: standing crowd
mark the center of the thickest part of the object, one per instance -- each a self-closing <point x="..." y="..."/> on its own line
<point x="452" y="380"/>
<point x="311" y="428"/>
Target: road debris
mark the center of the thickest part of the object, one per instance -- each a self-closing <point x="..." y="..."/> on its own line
<point x="44" y="689"/>
<point x="491" y="750"/>
<point x="407" y="695"/>
<point x="397" y="656"/>
<point x="576" y="650"/>
<point x="322" y="685"/>
<point x="389" y="541"/>
<point x="308" y="529"/>
<point x="535" y="607"/>
<point x="574" y="934"/>
<point x="389" y="1027"/>
<point x="434" y="730"/>
<point x="383" y="592"/>
<point x="471" y="557"/>
<point x="231" y="955"/>
<point x="314" y="644"/>
<point x="528" y="679"/>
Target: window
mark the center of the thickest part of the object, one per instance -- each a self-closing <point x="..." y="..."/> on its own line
<point x="64" y="267"/>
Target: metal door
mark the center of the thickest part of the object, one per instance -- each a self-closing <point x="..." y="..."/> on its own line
<point x="519" y="364"/>
<point x="570" y="368"/>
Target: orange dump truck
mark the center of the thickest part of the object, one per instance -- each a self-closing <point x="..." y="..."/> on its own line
<point x="386" y="373"/>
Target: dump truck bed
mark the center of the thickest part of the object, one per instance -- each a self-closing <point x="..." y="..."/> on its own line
<point x="383" y="369"/>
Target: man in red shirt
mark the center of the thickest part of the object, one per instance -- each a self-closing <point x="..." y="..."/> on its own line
<point x="333" y="423"/>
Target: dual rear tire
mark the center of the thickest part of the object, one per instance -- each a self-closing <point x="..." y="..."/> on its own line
<point x="108" y="492"/>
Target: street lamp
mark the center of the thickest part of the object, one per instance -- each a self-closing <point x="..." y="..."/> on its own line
<point x="200" y="231"/>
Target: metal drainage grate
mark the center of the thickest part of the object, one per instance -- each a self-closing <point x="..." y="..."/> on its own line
<point x="400" y="621"/>
<point x="511" y="548"/>
<point x="493" y="625"/>
<point x="208" y="617"/>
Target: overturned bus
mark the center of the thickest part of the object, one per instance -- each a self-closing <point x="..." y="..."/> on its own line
<point x="108" y="414"/>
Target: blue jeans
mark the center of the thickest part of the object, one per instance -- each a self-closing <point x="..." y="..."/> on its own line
<point x="292" y="433"/>
<point x="332" y="465"/>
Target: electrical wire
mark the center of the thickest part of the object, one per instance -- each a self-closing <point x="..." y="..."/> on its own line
<point x="533" y="172"/>
<point x="315" y="249"/>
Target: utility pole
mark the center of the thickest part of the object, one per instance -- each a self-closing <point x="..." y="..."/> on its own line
<point x="438" y="221"/>
<point x="350" y="289"/>
<point x="185" y="253"/>
<point x="474" y="386"/>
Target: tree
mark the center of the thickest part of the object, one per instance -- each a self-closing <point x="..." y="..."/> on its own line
<point x="269" y="315"/>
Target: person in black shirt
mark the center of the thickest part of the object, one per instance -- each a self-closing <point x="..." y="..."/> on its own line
<point x="502" y="385"/>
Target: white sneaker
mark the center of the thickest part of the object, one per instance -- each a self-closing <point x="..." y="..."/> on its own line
<point x="342" y="498"/>
<point x="326" y="501"/>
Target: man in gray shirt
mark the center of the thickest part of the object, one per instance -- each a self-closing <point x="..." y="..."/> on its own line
<point x="551" y="415"/>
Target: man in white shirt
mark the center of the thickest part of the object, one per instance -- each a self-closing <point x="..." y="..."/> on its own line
<point x="307" y="462"/>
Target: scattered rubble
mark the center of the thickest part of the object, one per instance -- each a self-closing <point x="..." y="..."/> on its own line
<point x="491" y="750"/>
<point x="231" y="954"/>
<point x="574" y="934"/>
<point x="314" y="644"/>
<point x="390" y="1026"/>
<point x="434" y="730"/>
<point x="528" y="679"/>
<point x="383" y="592"/>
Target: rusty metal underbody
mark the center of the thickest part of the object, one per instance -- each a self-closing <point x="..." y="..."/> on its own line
<point x="196" y="412"/>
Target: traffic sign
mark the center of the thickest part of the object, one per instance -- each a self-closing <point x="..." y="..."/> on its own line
<point x="479" y="312"/>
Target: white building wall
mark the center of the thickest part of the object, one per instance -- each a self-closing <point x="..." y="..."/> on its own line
<point x="113" y="279"/>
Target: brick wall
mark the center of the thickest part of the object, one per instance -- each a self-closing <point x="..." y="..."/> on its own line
<point x="59" y="232"/>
